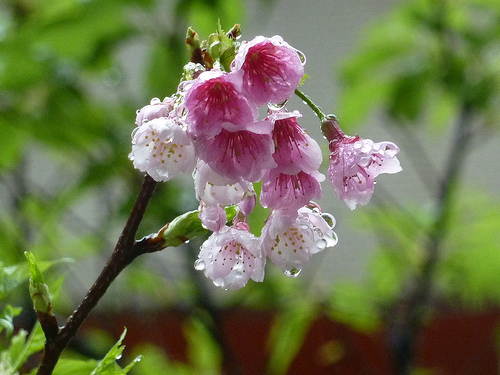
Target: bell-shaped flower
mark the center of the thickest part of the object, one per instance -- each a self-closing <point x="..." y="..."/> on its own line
<point x="273" y="69"/>
<point x="214" y="218"/>
<point x="231" y="257"/>
<point x="215" y="189"/>
<point x="284" y="191"/>
<point x="295" y="150"/>
<point x="290" y="237"/>
<point x="214" y="102"/>
<point x="155" y="109"/>
<point x="242" y="154"/>
<point x="162" y="148"/>
<point x="356" y="162"/>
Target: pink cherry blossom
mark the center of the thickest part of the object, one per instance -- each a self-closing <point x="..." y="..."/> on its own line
<point x="273" y="69"/>
<point x="156" y="109"/>
<point x="295" y="150"/>
<point x="214" y="101"/>
<point x="162" y="148"/>
<point x="290" y="237"/>
<point x="242" y="154"/>
<point x="356" y="162"/>
<point x="280" y="190"/>
<point x="231" y="257"/>
<point x="215" y="189"/>
<point x="213" y="218"/>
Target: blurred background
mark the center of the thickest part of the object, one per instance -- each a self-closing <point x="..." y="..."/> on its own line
<point x="413" y="286"/>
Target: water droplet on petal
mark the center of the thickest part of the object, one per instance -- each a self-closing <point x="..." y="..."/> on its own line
<point x="330" y="220"/>
<point x="318" y="232"/>
<point x="302" y="57"/>
<point x="133" y="134"/>
<point x="277" y="106"/>
<point x="199" y="265"/>
<point x="292" y="272"/>
<point x="321" y="244"/>
<point x="219" y="282"/>
<point x="331" y="241"/>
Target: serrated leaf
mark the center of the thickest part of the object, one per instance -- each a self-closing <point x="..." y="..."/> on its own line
<point x="22" y="346"/>
<point x="108" y="365"/>
<point x="74" y="366"/>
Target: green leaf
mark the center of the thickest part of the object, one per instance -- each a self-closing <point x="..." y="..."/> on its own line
<point x="469" y="268"/>
<point x="22" y="346"/>
<point x="6" y="319"/>
<point x="168" y="57"/>
<point x="155" y="362"/>
<point x="355" y="306"/>
<point x="108" y="365"/>
<point x="203" y="351"/>
<point x="305" y="77"/>
<point x="12" y="276"/>
<point x="287" y="335"/>
<point x="67" y="366"/>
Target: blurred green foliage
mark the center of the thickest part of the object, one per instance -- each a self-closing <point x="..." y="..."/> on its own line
<point x="424" y="61"/>
<point x="72" y="74"/>
<point x="429" y="66"/>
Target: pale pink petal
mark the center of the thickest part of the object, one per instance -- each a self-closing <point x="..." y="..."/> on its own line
<point x="280" y="190"/>
<point x="214" y="218"/>
<point x="289" y="240"/>
<point x="162" y="148"/>
<point x="356" y="162"/>
<point x="231" y="257"/>
<point x="215" y="189"/>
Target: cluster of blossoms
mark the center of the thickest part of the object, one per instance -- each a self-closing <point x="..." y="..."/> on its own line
<point x="211" y="128"/>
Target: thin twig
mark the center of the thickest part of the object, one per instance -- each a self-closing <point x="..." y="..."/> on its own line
<point x="122" y="256"/>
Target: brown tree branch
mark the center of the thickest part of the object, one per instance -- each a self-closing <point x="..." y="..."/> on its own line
<point x="123" y="254"/>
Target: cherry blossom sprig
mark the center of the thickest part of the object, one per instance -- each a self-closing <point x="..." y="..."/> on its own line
<point x="354" y="162"/>
<point x="211" y="127"/>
